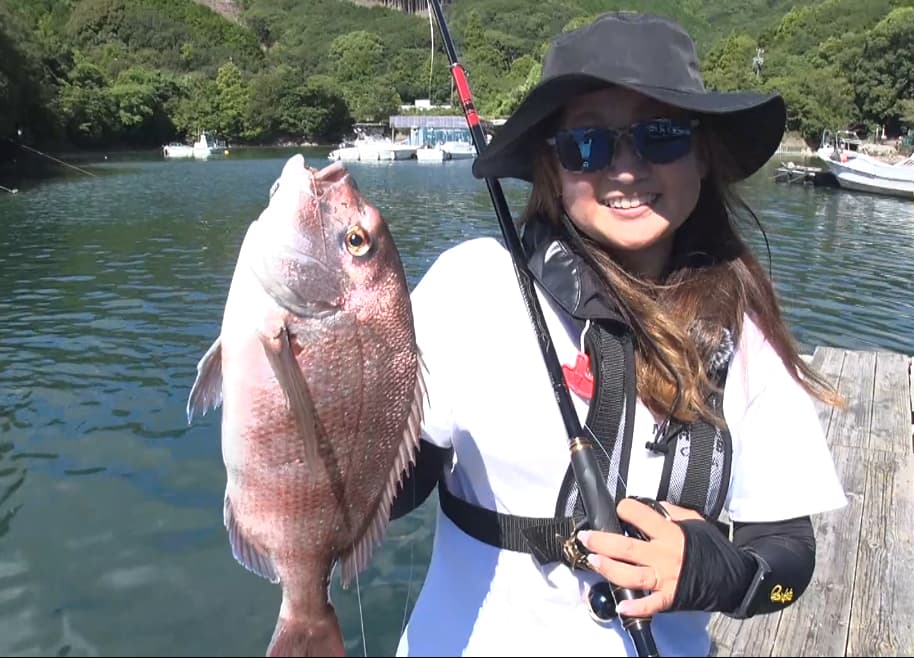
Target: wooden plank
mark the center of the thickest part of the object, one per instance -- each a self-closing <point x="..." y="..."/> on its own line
<point x="756" y="636"/>
<point x="882" y="617"/>
<point x="850" y="426"/>
<point x="891" y="428"/>
<point x="911" y="382"/>
<point x="828" y="362"/>
<point x="746" y="637"/>
<point x="817" y="624"/>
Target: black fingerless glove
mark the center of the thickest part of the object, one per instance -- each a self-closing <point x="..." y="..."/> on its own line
<point x="765" y="568"/>
<point x="715" y="574"/>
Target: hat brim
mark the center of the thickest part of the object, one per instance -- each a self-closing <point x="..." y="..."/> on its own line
<point x="750" y="124"/>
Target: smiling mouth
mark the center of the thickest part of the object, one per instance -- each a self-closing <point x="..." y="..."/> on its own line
<point x="629" y="202"/>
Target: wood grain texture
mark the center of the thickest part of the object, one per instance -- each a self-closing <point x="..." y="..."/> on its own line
<point x="861" y="598"/>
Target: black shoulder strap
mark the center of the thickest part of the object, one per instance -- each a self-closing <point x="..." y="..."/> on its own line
<point x="696" y="469"/>
<point x="611" y="414"/>
<point x="542" y="537"/>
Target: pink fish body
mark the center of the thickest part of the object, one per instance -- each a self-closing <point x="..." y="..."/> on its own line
<point x="320" y="382"/>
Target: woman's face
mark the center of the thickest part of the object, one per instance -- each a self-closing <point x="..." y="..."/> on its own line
<point x="633" y="207"/>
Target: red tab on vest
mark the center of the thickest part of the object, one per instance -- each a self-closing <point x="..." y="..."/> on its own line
<point x="579" y="379"/>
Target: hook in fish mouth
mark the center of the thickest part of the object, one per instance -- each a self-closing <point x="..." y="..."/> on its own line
<point x="331" y="176"/>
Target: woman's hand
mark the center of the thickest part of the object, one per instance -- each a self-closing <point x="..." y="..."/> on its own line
<point x="652" y="566"/>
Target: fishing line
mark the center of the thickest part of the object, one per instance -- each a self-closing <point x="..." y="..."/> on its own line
<point x="51" y="157"/>
<point x="358" y="594"/>
<point x="412" y="562"/>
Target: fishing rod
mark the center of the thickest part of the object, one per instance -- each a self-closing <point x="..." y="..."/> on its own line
<point x="599" y="505"/>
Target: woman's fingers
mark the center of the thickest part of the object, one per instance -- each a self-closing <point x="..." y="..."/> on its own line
<point x="649" y="521"/>
<point x="645" y="606"/>
<point x="643" y="577"/>
<point x="651" y="565"/>
<point x="678" y="513"/>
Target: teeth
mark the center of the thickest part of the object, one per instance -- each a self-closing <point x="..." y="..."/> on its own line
<point x="631" y="201"/>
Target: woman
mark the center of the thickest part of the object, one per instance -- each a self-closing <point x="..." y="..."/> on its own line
<point x="672" y="342"/>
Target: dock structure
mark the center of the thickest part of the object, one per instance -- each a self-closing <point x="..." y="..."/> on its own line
<point x="790" y="172"/>
<point x="861" y="599"/>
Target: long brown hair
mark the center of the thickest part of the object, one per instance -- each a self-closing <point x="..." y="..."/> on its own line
<point x="712" y="279"/>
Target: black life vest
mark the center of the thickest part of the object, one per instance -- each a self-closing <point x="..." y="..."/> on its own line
<point x="697" y="456"/>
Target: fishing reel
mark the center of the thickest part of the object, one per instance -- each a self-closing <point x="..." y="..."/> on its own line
<point x="601" y="603"/>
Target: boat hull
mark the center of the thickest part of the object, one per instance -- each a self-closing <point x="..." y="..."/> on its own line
<point x="864" y="174"/>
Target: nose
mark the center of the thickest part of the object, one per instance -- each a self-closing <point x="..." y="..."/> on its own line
<point x="626" y="166"/>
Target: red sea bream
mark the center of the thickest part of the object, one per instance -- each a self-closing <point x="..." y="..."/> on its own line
<point x="320" y="382"/>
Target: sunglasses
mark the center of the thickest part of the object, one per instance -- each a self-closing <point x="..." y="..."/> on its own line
<point x="658" y="141"/>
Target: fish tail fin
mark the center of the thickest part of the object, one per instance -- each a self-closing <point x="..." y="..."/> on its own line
<point x="308" y="636"/>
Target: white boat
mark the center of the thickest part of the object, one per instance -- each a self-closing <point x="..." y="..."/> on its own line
<point x="459" y="150"/>
<point x="204" y="147"/>
<point x="855" y="170"/>
<point x="371" y="149"/>
<point x="431" y="154"/>
<point x="346" y="152"/>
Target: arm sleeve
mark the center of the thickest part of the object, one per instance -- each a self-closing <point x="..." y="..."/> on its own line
<point x="765" y="568"/>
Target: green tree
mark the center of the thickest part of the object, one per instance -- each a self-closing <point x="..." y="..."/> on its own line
<point x="232" y="96"/>
<point x="284" y="105"/>
<point x="88" y="109"/>
<point x="194" y="109"/>
<point x="884" y="75"/>
<point x="728" y="66"/>
<point x="357" y="56"/>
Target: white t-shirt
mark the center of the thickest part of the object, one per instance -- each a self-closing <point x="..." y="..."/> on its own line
<point x="489" y="397"/>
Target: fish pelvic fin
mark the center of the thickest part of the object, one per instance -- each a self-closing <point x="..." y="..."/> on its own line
<point x="243" y="550"/>
<point x="206" y="392"/>
<point x="278" y="349"/>
<point x="360" y="554"/>
<point x="309" y="636"/>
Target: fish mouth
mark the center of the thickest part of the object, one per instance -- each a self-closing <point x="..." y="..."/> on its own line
<point x="325" y="179"/>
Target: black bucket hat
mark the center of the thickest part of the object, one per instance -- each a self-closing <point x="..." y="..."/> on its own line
<point x="650" y="55"/>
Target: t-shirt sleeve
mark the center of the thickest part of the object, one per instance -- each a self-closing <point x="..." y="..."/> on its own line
<point x="782" y="466"/>
<point x="433" y="316"/>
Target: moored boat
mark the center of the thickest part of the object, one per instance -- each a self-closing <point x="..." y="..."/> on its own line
<point x="855" y="170"/>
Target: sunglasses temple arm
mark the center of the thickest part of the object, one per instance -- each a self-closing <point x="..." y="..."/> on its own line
<point x="598" y="502"/>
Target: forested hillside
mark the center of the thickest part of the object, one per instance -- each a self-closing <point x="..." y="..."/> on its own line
<point x="138" y="73"/>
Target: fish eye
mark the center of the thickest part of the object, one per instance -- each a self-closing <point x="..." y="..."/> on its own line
<point x="357" y="242"/>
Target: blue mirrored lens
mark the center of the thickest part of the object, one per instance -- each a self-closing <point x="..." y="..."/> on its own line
<point x="584" y="149"/>
<point x="662" y="141"/>
<point x="658" y="141"/>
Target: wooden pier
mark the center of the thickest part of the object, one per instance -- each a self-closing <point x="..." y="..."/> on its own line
<point x="861" y="599"/>
<point x="804" y="175"/>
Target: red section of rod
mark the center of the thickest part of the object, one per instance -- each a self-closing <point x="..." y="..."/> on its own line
<point x="466" y="98"/>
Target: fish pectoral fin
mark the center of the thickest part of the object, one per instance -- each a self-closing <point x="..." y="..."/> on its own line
<point x="248" y="555"/>
<point x="278" y="349"/>
<point x="206" y="392"/>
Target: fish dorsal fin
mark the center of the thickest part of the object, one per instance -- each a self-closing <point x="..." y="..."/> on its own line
<point x="206" y="392"/>
<point x="356" y="559"/>
<point x="248" y="555"/>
